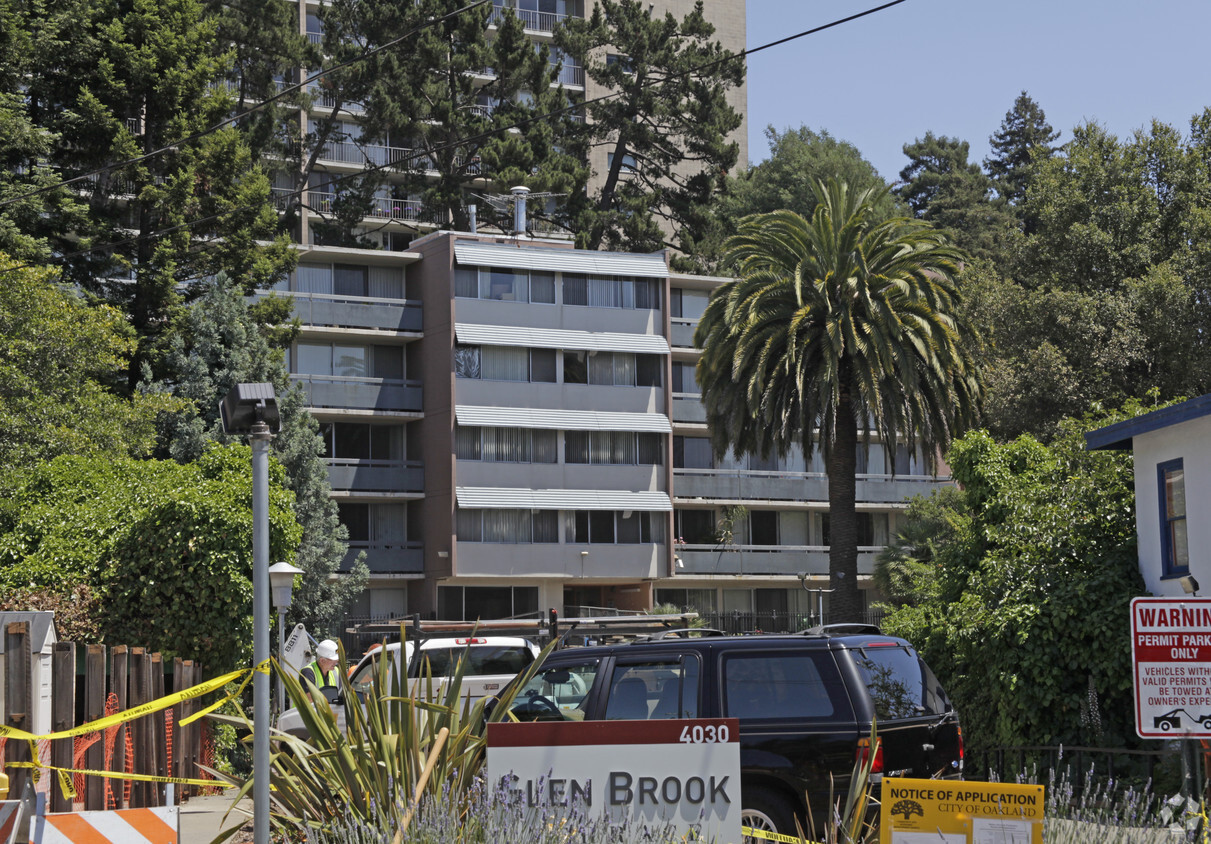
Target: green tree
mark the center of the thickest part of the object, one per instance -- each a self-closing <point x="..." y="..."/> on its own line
<point x="60" y="361"/>
<point x="1021" y="610"/>
<point x="1024" y="138"/>
<point x="166" y="546"/>
<point x="832" y="324"/>
<point x="798" y="158"/>
<point x="219" y="344"/>
<point x="943" y="188"/>
<point x="664" y="131"/>
<point x="110" y="81"/>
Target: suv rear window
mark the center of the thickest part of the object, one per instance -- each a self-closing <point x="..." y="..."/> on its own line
<point x="900" y="684"/>
<point x="766" y="685"/>
<point x="655" y="689"/>
<point x="485" y="659"/>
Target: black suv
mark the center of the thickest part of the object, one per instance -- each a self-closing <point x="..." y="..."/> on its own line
<point x="805" y="703"/>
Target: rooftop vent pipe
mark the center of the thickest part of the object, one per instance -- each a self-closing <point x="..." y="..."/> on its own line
<point x="519" y="209"/>
<point x="471" y="213"/>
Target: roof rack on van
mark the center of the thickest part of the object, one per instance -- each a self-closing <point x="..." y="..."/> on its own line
<point x="841" y="629"/>
<point x="541" y="629"/>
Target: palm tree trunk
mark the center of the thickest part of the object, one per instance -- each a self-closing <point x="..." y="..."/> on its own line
<point x="845" y="604"/>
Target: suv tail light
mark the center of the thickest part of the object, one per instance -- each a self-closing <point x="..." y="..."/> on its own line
<point x="863" y="752"/>
<point x="960" y="730"/>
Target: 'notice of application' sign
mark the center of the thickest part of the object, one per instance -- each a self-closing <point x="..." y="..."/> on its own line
<point x="1171" y="652"/>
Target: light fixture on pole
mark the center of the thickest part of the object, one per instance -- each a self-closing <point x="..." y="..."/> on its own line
<point x="281" y="583"/>
<point x="251" y="410"/>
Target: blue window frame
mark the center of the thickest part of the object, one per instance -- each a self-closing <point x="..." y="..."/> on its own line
<point x="1171" y="493"/>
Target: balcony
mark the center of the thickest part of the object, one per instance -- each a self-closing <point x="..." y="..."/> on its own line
<point x="377" y="476"/>
<point x="384" y="395"/>
<point x="397" y="158"/>
<point x="323" y="310"/>
<point x="753" y="485"/>
<point x="742" y="560"/>
<point x="400" y="558"/>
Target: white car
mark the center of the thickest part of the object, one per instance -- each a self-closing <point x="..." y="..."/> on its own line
<point x="493" y="662"/>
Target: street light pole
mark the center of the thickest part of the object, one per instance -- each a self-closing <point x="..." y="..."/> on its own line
<point x="259" y="440"/>
<point x="251" y="410"/>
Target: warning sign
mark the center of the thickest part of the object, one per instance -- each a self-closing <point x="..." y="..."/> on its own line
<point x="1171" y="652"/>
<point x="917" y="811"/>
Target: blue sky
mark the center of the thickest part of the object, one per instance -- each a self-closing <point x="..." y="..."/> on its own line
<point x="954" y="67"/>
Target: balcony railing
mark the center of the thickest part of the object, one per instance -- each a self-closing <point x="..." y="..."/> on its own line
<point x="756" y="560"/>
<point x="400" y="476"/>
<point x="533" y="21"/>
<point x="784" y="485"/>
<point x="324" y="99"/>
<point x="387" y="558"/>
<point x="381" y="208"/>
<point x="335" y="392"/>
<point x="323" y="309"/>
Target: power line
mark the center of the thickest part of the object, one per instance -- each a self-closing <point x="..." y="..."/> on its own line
<point x="421" y="154"/>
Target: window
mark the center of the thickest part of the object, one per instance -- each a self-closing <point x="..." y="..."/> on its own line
<point x="336" y="359"/>
<point x="507" y="526"/>
<point x="684" y="380"/>
<point x="628" y="163"/>
<point x="901" y="686"/>
<point x="693" y="453"/>
<point x="658" y="689"/>
<point x="774" y="686"/>
<point x="459" y="603"/>
<point x="505" y="445"/>
<point x="763" y="527"/>
<point x="696" y="527"/>
<point x="566" y="687"/>
<point x="575" y="367"/>
<point x="504" y="363"/>
<point x="690" y="600"/>
<point x="617" y="448"/>
<point x="1175" y="554"/>
<point x="610" y="292"/>
<point x="374" y="525"/>
<point x="872" y="529"/>
<point x="610" y="527"/>
<point x="689" y="304"/>
<point x="360" y="441"/>
<point x="504" y="285"/>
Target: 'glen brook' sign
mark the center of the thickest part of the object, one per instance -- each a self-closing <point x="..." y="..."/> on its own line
<point x="684" y="773"/>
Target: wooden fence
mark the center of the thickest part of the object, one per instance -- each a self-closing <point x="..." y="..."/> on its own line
<point x="112" y="680"/>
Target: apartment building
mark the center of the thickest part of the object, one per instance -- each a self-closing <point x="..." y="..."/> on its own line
<point x="512" y="424"/>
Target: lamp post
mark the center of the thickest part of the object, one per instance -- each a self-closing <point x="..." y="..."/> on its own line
<point x="251" y="410"/>
<point x="281" y="582"/>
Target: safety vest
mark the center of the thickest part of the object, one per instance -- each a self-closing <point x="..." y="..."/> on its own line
<point x="328" y="681"/>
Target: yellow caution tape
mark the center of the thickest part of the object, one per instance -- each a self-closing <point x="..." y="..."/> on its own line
<point x="69" y="790"/>
<point x="148" y="708"/>
<point x="773" y="836"/>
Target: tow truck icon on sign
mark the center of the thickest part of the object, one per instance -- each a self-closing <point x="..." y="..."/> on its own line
<point x="1172" y="721"/>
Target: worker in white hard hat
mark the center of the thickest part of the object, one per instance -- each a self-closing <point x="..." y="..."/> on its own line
<point x="322" y="673"/>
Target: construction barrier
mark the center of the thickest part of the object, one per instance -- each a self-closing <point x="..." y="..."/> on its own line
<point x="15" y="817"/>
<point x="159" y="825"/>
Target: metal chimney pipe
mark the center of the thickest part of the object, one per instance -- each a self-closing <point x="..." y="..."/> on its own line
<point x="519" y="208"/>
<point x="471" y="213"/>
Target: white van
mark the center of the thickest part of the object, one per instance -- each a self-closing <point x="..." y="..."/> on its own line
<point x="492" y="662"/>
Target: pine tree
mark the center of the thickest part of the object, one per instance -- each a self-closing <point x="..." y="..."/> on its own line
<point x="943" y="188"/>
<point x="665" y="132"/>
<point x="1024" y="138"/>
<point x="111" y="81"/>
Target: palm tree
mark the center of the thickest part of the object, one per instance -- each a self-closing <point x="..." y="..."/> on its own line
<point x="832" y="324"/>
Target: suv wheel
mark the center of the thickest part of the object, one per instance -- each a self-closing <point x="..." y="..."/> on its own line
<point x="766" y="811"/>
